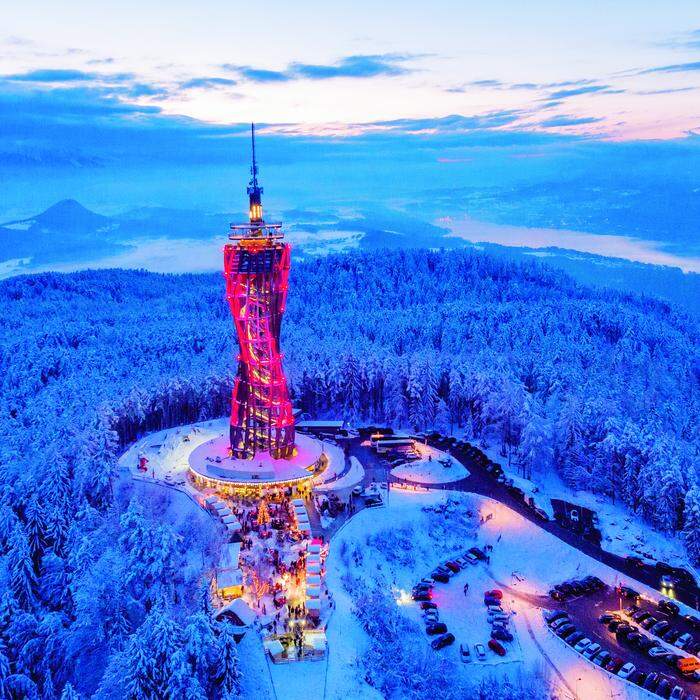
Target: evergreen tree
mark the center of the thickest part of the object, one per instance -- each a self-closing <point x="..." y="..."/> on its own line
<point x="691" y="529"/>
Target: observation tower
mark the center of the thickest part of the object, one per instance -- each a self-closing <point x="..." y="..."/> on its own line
<point x="256" y="267"/>
<point x="262" y="449"/>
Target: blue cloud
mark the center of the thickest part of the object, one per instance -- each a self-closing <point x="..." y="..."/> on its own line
<point x="566" y="120"/>
<point x="258" y="75"/>
<point x="583" y="90"/>
<point x="207" y="83"/>
<point x="358" y="66"/>
<point x="52" y="75"/>
<point x="673" y="68"/>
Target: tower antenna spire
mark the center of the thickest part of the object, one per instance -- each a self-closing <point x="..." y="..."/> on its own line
<point x="255" y="212"/>
<point x="254" y="167"/>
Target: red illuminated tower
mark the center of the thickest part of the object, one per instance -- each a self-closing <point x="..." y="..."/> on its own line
<point x="256" y="266"/>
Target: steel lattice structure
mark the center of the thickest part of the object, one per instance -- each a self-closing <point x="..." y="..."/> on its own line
<point x="256" y="267"/>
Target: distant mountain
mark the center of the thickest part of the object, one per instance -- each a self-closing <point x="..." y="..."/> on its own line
<point x="71" y="235"/>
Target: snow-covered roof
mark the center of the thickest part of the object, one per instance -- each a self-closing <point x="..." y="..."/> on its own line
<point x="233" y="527"/>
<point x="297" y="502"/>
<point x="229" y="578"/>
<point x="231" y="518"/>
<point x="313" y="568"/>
<point x="219" y="506"/>
<point x="313" y="580"/>
<point x="241" y="610"/>
<point x="304" y="527"/>
<point x="229" y="555"/>
<point x="274" y="647"/>
<point x="314" y="604"/>
<point x="319" y="424"/>
<point x="317" y="641"/>
<point x="314" y="549"/>
<point x="313" y="591"/>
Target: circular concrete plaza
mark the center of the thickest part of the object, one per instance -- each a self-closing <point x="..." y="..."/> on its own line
<point x="212" y="466"/>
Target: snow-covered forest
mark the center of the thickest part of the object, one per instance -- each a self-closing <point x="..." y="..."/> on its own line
<point x="600" y="386"/>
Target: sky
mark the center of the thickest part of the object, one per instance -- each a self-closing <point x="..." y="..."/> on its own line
<point x="621" y="71"/>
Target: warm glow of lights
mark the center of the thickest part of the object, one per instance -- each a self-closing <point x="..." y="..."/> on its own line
<point x="402" y="597"/>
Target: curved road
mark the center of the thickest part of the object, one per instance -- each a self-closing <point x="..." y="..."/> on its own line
<point x="481" y="483"/>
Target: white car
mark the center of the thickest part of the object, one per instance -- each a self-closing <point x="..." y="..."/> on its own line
<point x="471" y="558"/>
<point x="480" y="652"/>
<point x="627" y="670"/>
<point x="464" y="653"/>
<point x="657" y="651"/>
<point x="582" y="645"/>
<point x="591" y="650"/>
<point x="560" y="622"/>
<point x="683" y="640"/>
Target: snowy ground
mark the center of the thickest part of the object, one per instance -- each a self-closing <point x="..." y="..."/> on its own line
<point x="434" y="467"/>
<point x="372" y="545"/>
<point x="353" y="477"/>
<point x="623" y="532"/>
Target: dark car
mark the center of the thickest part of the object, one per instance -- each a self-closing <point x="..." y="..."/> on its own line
<point x="640" y="616"/>
<point x="635" y="639"/>
<point x="635" y="561"/>
<point x="666" y="606"/>
<point x="638" y="678"/>
<point x="601" y="658"/>
<point x="497" y="647"/>
<point x="595" y="582"/>
<point x="671" y="660"/>
<point x="605" y="618"/>
<point x="574" y="638"/>
<point x="478" y="553"/>
<point x="439" y="576"/>
<point x="422" y="596"/>
<point x="649" y="622"/>
<point x="646" y="643"/>
<point x="664" y="688"/>
<point x="428" y="605"/>
<point x="453" y="566"/>
<point x="693" y="621"/>
<point x="628" y="592"/>
<point x="614" y="665"/>
<point x="613" y="626"/>
<point x="554" y="615"/>
<point x="558" y="595"/>
<point x="436" y="628"/>
<point x="671" y="635"/>
<point x="651" y="682"/>
<point x="565" y="629"/>
<point x="422" y="587"/>
<point x="501" y="633"/>
<point x="443" y="640"/>
<point x="577" y="588"/>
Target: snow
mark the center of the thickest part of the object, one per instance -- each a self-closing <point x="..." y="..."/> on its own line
<point x="430" y="469"/>
<point x="521" y="560"/>
<point x="350" y="479"/>
<point x="623" y="532"/>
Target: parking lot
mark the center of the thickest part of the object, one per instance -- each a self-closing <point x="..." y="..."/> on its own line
<point x="585" y="611"/>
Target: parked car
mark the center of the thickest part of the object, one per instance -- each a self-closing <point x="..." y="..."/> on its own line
<point x="480" y="652"/>
<point x="666" y="606"/>
<point x="573" y="637"/>
<point x="677" y="693"/>
<point x="497" y="647"/>
<point x="422" y="596"/>
<point x="605" y="618"/>
<point x="664" y="688"/>
<point x="453" y="566"/>
<point x="627" y="670"/>
<point x="628" y="592"/>
<point x="657" y="651"/>
<point x="552" y="615"/>
<point x="672" y="660"/>
<point x="614" y="665"/>
<point x="612" y="626"/>
<point x="495" y="593"/>
<point x="602" y="658"/>
<point x="651" y="682"/>
<point x="566" y="629"/>
<point x="440" y="576"/>
<point x="464" y="653"/>
<point x="479" y="554"/>
<point x="591" y="650"/>
<point x="471" y="558"/>
<point x="660" y="627"/>
<point x="442" y="641"/>
<point x="649" y="622"/>
<point x="582" y="645"/>
<point x="436" y="628"/>
<point x="671" y="635"/>
<point x="635" y="639"/>
<point x="501" y="633"/>
<point x="428" y="605"/>
<point x="693" y="621"/>
<point x="640" y="616"/>
<point x="638" y="678"/>
<point x="631" y="610"/>
<point x="684" y="640"/>
<point x="560" y="622"/>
